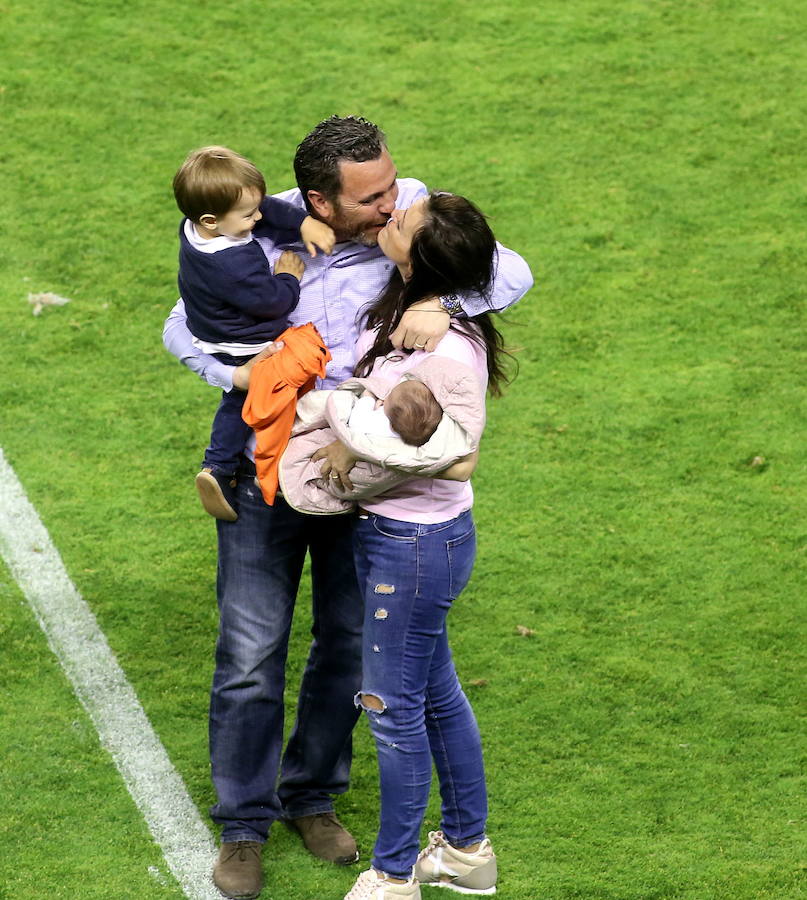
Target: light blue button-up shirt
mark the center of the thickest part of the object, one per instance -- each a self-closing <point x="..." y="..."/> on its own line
<point x="333" y="292"/>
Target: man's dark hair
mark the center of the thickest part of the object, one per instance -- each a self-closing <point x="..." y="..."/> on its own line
<point x="316" y="162"/>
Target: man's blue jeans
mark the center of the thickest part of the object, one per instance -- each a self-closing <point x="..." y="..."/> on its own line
<point x="410" y="574"/>
<point x="260" y="563"/>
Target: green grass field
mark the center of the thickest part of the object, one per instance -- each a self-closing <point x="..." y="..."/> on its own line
<point x="642" y="489"/>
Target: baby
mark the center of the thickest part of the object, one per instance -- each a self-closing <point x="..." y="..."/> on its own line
<point x="410" y="412"/>
<point x="415" y="427"/>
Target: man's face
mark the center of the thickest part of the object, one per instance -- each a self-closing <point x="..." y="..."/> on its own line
<point x="366" y="200"/>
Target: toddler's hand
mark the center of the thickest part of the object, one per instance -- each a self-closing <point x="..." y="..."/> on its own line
<point x="290" y="263"/>
<point x="317" y="234"/>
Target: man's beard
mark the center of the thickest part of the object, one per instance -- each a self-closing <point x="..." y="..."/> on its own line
<point x="350" y="231"/>
<point x="365" y="239"/>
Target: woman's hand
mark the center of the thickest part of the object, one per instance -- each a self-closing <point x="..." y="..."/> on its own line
<point x="337" y="463"/>
<point x="242" y="374"/>
<point x="422" y="326"/>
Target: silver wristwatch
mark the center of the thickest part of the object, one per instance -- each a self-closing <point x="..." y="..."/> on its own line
<point x="450" y="304"/>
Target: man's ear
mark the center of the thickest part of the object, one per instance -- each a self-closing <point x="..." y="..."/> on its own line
<point x="208" y="220"/>
<point x="321" y="205"/>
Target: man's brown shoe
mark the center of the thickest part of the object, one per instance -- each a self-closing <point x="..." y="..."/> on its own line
<point x="326" y="837"/>
<point x="237" y="873"/>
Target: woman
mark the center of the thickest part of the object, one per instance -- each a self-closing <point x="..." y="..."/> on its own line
<point x="414" y="550"/>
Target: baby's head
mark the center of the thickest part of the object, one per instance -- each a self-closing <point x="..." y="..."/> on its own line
<point x="220" y="192"/>
<point x="412" y="411"/>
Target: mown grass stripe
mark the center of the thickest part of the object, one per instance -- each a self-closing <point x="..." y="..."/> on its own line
<point x="101" y="686"/>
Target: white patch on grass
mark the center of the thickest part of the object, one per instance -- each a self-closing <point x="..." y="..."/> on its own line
<point x="101" y="686"/>
<point x="40" y="301"/>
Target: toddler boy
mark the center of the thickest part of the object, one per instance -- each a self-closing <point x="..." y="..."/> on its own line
<point x="236" y="305"/>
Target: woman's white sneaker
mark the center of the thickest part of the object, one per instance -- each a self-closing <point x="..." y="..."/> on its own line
<point x="371" y="885"/>
<point x="441" y="865"/>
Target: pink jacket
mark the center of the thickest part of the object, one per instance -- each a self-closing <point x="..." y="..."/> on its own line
<point x="384" y="462"/>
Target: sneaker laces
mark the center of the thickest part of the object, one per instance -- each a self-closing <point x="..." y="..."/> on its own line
<point x="436" y="839"/>
<point x="364" y="887"/>
<point x="432" y="853"/>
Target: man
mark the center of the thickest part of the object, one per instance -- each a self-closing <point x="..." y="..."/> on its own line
<point x="346" y="178"/>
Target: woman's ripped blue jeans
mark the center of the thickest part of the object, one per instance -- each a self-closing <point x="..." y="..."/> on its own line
<point x="409" y="575"/>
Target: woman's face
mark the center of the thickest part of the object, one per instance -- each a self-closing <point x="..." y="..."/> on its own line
<point x="395" y="239"/>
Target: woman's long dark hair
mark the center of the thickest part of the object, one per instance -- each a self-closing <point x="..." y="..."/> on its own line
<point x="452" y="252"/>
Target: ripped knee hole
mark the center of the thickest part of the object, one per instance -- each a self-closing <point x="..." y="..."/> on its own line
<point x="371" y="702"/>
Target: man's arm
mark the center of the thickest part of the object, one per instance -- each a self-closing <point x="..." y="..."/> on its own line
<point x="511" y="280"/>
<point x="179" y="341"/>
<point x="423" y="325"/>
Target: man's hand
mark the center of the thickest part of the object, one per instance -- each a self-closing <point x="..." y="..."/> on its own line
<point x="337" y="462"/>
<point x="290" y="263"/>
<point x="317" y="234"/>
<point x="241" y="375"/>
<point x="422" y="326"/>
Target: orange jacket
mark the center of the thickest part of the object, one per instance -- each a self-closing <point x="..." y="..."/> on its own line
<point x="274" y="386"/>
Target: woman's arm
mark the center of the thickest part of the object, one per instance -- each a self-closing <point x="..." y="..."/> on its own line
<point x="461" y="470"/>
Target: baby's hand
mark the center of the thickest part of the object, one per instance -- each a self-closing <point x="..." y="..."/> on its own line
<point x="317" y="234"/>
<point x="290" y="263"/>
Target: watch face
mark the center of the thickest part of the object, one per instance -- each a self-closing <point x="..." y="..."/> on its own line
<point x="450" y="304"/>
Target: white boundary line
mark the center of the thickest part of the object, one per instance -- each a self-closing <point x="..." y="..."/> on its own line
<point x="101" y="686"/>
